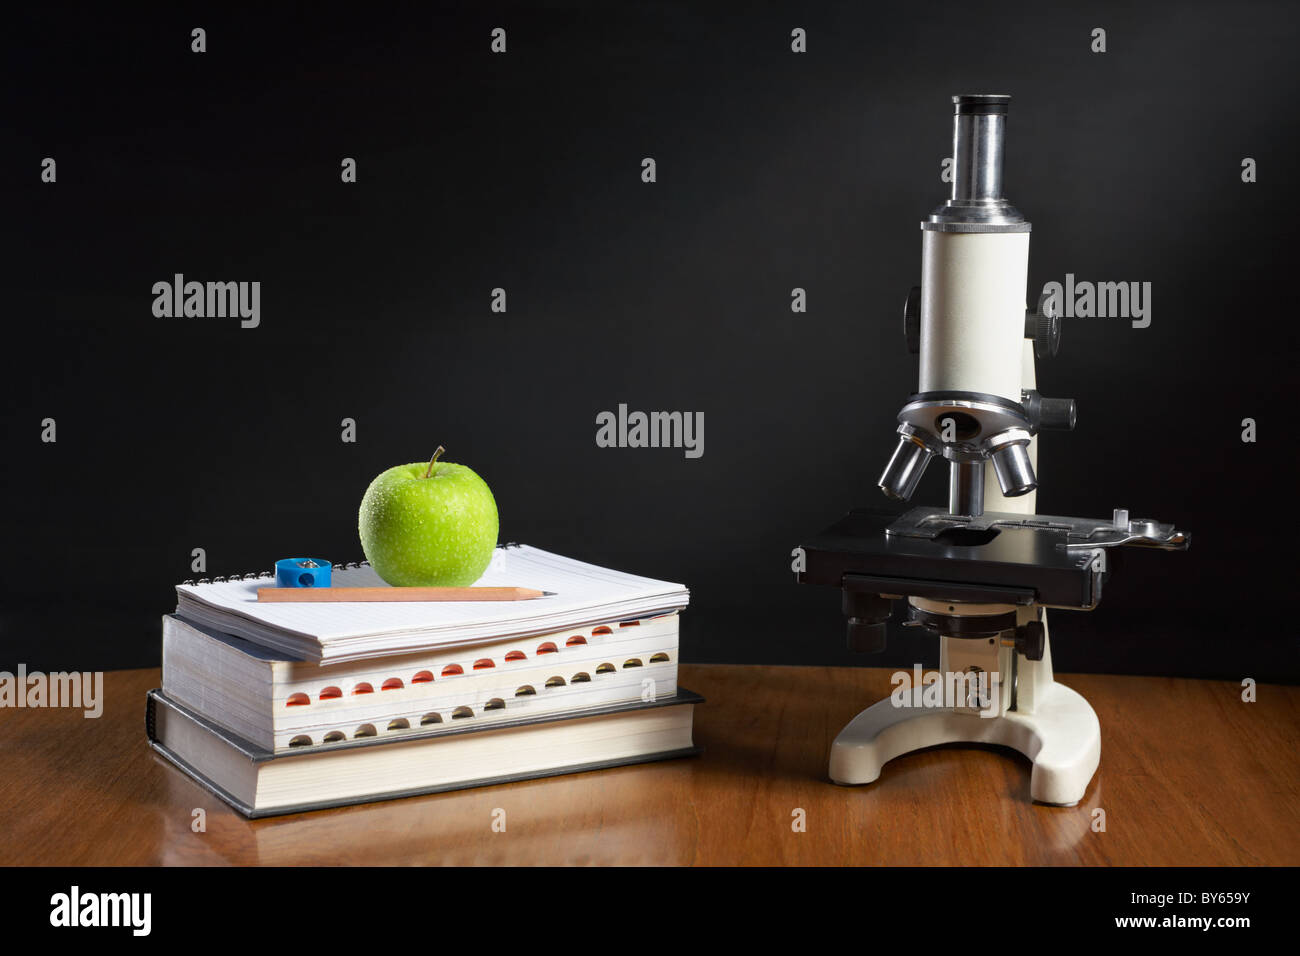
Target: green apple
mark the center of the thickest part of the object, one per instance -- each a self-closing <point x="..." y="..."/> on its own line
<point x="428" y="525"/>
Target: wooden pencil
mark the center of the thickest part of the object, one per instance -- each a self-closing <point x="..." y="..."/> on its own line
<point x="330" y="595"/>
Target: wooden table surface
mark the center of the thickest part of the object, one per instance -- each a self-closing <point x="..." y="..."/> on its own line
<point x="1190" y="775"/>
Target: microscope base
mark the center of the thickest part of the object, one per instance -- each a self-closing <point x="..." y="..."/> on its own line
<point x="1062" y="739"/>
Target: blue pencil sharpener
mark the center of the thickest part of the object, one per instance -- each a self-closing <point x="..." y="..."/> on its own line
<point x="302" y="573"/>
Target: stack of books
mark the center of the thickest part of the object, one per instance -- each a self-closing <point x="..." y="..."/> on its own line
<point x="279" y="708"/>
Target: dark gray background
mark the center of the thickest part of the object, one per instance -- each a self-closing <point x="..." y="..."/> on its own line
<point x="523" y="171"/>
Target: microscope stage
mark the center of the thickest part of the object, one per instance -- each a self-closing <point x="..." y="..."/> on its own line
<point x="1019" y="565"/>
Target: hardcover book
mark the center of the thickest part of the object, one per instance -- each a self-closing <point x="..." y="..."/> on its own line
<point x="258" y="782"/>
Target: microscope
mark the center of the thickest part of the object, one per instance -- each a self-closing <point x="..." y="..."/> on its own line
<point x="981" y="573"/>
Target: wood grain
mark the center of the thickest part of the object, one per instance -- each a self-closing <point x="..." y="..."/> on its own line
<point x="1190" y="775"/>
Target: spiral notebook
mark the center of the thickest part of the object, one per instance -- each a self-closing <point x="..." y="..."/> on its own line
<point x="326" y="633"/>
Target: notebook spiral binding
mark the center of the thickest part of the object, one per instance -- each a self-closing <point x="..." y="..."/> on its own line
<point x="254" y="575"/>
<point x="150" y="719"/>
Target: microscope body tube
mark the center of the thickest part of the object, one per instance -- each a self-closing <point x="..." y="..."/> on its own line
<point x="973" y="311"/>
<point x="974" y="270"/>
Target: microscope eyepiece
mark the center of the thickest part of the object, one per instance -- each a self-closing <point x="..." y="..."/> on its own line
<point x="981" y="103"/>
<point x="978" y="140"/>
<point x="978" y="137"/>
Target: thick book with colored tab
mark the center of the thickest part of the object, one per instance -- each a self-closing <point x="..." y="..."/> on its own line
<point x="329" y="632"/>
<point x="281" y="704"/>
<point x="258" y="782"/>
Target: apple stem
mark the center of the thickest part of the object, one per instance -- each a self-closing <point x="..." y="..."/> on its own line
<point x="433" y="461"/>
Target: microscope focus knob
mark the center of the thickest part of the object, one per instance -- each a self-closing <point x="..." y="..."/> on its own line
<point x="866" y="638"/>
<point x="1049" y="414"/>
<point x="867" y="614"/>
<point x="912" y="320"/>
<point x="1058" y="414"/>
<point x="1031" y="640"/>
<point x="1044" y="327"/>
